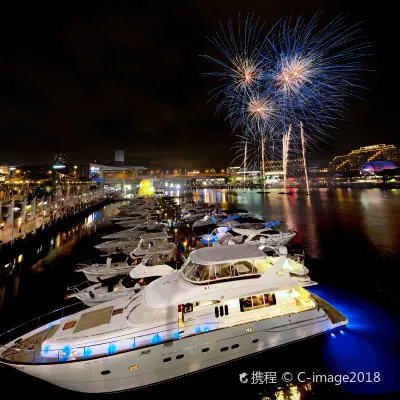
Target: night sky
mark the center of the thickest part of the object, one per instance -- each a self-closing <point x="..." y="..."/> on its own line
<point x="86" y="80"/>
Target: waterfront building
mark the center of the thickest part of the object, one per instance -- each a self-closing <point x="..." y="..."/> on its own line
<point x="121" y="177"/>
<point x="60" y="158"/>
<point x="4" y="172"/>
<point x="377" y="167"/>
<point x="357" y="158"/>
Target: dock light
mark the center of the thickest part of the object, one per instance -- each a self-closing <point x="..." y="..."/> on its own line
<point x="333" y="335"/>
<point x="341" y="332"/>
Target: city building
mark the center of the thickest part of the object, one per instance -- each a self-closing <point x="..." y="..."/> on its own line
<point x="355" y="160"/>
<point x="119" y="158"/>
<point x="60" y="158"/>
<point x="237" y="174"/>
<point x="4" y="172"/>
<point x="115" y="172"/>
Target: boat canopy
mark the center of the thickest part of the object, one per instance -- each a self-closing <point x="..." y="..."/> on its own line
<point x="226" y="254"/>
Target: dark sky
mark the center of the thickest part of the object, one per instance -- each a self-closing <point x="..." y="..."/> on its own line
<point x="89" y="79"/>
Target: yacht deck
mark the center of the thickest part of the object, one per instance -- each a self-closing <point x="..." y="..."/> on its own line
<point x="334" y="315"/>
<point x="29" y="349"/>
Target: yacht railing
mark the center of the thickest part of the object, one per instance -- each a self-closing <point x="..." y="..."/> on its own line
<point x="11" y="353"/>
<point x="78" y="288"/>
<point x="46" y="319"/>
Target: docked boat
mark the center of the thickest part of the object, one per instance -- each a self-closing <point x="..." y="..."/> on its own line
<point x="207" y="222"/>
<point x="118" y="245"/>
<point x="263" y="235"/>
<point x="130" y="216"/>
<point x="131" y="223"/>
<point x="157" y="262"/>
<point x="98" y="272"/>
<point x="138" y="230"/>
<point x="225" y="303"/>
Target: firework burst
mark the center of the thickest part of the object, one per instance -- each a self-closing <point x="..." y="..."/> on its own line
<point x="313" y="71"/>
<point x="241" y="72"/>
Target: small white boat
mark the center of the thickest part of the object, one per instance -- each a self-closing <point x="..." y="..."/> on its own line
<point x="207" y="221"/>
<point x="118" y="245"/>
<point x="266" y="236"/>
<point x="98" y="272"/>
<point x="157" y="262"/>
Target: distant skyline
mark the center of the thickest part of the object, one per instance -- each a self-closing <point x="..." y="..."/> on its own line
<point x="95" y="78"/>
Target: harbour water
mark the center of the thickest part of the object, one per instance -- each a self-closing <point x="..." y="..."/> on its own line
<point x="352" y="246"/>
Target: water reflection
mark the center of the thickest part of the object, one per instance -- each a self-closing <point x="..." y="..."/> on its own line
<point x="343" y="234"/>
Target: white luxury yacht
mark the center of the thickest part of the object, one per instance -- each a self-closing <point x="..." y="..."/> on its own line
<point x="225" y="303"/>
<point x="158" y="261"/>
<point x="98" y="272"/>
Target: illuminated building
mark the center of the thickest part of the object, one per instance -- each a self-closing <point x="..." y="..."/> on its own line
<point x="355" y="160"/>
<point x="60" y="158"/>
<point x="294" y="165"/>
<point x="4" y="172"/>
<point x="376" y="167"/>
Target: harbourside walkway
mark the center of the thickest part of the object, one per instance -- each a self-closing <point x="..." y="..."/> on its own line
<point x="9" y="233"/>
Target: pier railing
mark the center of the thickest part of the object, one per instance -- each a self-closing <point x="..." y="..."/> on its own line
<point x="47" y="355"/>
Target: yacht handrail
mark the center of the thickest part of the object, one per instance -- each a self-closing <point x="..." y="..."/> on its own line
<point x="38" y="319"/>
<point x="76" y="288"/>
<point x="154" y="339"/>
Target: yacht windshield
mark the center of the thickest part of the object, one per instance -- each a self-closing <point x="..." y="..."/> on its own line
<point x="157" y="259"/>
<point x="203" y="273"/>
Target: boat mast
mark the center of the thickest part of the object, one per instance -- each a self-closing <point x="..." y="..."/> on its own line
<point x="244" y="167"/>
<point x="262" y="160"/>
<point x="303" y="145"/>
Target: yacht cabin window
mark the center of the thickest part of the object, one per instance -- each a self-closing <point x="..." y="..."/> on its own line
<point x="189" y="307"/>
<point x="157" y="259"/>
<point x="256" y="302"/>
<point x="203" y="273"/>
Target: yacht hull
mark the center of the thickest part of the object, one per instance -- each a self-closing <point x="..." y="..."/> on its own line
<point x="158" y="363"/>
<point x="93" y="276"/>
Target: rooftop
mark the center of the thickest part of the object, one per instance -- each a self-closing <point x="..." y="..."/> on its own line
<point x="226" y="254"/>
